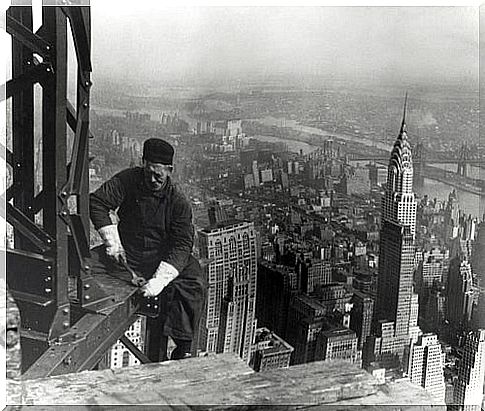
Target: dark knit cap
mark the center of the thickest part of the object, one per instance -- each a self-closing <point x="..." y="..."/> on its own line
<point x="158" y="151"/>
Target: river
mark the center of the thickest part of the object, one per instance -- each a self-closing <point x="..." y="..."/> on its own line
<point x="470" y="203"/>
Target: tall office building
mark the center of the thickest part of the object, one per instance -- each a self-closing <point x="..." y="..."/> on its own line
<point x="228" y="323"/>
<point x="361" y="316"/>
<point x="256" y="173"/>
<point x="460" y="292"/>
<point x="276" y="283"/>
<point x="425" y="365"/>
<point x="306" y="318"/>
<point x="468" y="389"/>
<point x="478" y="265"/>
<point x="396" y="258"/>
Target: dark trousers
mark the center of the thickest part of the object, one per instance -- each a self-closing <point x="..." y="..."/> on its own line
<point x="181" y="303"/>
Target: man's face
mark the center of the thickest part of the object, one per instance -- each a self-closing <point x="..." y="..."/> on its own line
<point x="156" y="175"/>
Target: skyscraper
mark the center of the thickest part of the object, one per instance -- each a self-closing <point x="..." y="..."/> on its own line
<point x="460" y="293"/>
<point x="468" y="389"/>
<point x="396" y="258"/>
<point x="228" y="323"/>
<point x="478" y="264"/>
<point x="425" y="365"/>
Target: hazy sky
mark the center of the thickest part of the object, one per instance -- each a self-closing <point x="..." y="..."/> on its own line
<point x="376" y="43"/>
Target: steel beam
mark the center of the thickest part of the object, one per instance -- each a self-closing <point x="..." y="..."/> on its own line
<point x="29" y="39"/>
<point x="134" y="350"/>
<point x="91" y="335"/>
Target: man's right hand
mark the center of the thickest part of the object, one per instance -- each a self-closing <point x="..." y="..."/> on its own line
<point x="111" y="239"/>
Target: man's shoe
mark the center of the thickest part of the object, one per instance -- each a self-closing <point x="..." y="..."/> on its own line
<point x="180" y="355"/>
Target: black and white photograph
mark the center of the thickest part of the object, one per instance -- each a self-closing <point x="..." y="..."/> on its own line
<point x="212" y="205"/>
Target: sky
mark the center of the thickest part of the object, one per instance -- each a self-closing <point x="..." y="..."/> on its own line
<point x="160" y="42"/>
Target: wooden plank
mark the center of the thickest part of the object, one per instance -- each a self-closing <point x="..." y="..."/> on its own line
<point x="219" y="380"/>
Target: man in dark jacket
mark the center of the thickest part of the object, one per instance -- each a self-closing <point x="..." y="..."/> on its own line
<point x="154" y="236"/>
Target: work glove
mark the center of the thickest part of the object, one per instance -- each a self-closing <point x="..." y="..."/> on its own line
<point x="111" y="239"/>
<point x="164" y="274"/>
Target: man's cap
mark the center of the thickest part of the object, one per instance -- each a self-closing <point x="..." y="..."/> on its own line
<point x="158" y="151"/>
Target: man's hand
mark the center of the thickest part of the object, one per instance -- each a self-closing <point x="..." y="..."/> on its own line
<point x="153" y="287"/>
<point x="111" y="239"/>
<point x="161" y="278"/>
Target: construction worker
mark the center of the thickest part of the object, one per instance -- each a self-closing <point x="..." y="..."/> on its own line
<point x="154" y="237"/>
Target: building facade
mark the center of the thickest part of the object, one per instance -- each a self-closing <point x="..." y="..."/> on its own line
<point x="425" y="364"/>
<point x="228" y="323"/>
<point x="396" y="251"/>
<point x="269" y="351"/>
<point x="338" y="344"/>
<point x="468" y="388"/>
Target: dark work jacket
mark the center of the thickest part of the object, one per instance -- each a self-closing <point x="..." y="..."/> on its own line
<point x="153" y="226"/>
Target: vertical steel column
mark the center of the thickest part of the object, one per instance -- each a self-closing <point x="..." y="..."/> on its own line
<point x="23" y="126"/>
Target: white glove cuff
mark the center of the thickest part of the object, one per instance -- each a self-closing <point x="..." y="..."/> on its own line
<point x="110" y="236"/>
<point x="166" y="272"/>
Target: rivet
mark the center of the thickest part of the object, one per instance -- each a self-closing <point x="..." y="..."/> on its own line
<point x="65" y="325"/>
<point x="155" y="306"/>
<point x="49" y="241"/>
<point x="65" y="311"/>
<point x="85" y="105"/>
<point x="87" y="267"/>
<point x="47" y="47"/>
<point x="18" y="164"/>
<point x="87" y="286"/>
<point x="87" y="297"/>
<point x="64" y="194"/>
<point x="48" y="290"/>
<point x="47" y="279"/>
<point x="49" y="267"/>
<point x="148" y="305"/>
<point x="48" y="69"/>
<point x="156" y="298"/>
<point x="87" y="83"/>
<point x="64" y="213"/>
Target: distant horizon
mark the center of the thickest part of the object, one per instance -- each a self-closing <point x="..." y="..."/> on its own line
<point x="203" y="45"/>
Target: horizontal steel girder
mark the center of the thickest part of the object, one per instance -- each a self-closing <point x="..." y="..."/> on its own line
<point x="91" y="336"/>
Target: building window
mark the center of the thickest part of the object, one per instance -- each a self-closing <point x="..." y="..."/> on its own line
<point x="126" y="359"/>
